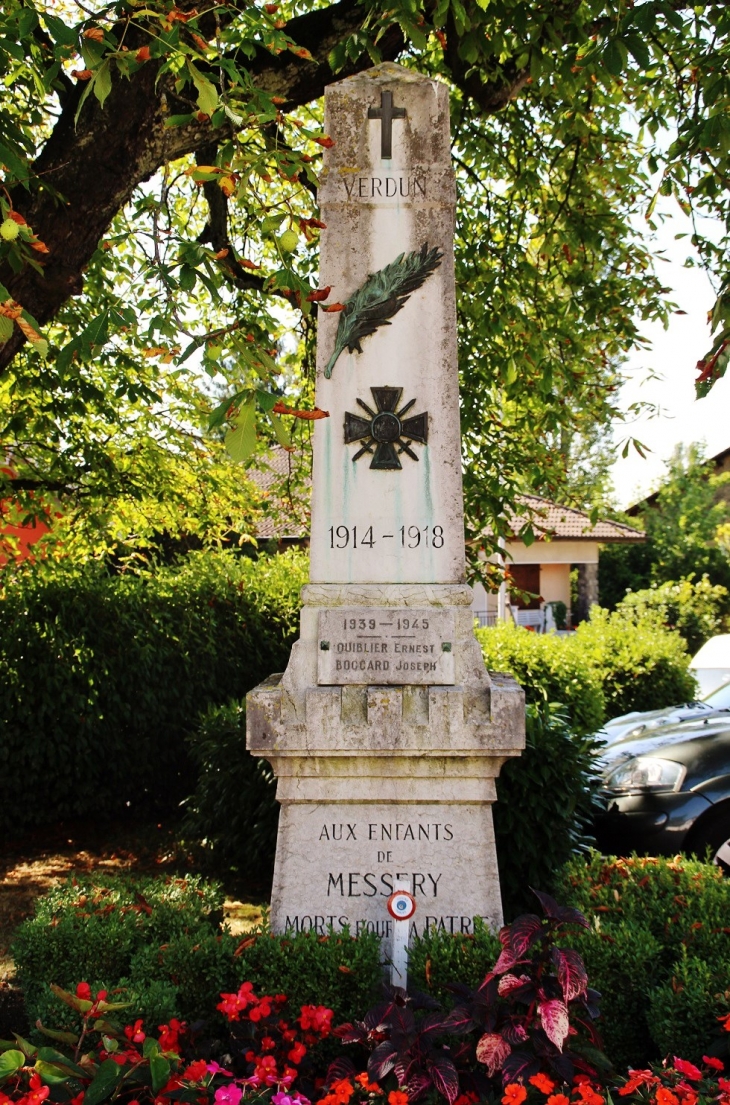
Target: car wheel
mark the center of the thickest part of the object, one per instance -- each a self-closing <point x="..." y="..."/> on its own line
<point x="715" y="836"/>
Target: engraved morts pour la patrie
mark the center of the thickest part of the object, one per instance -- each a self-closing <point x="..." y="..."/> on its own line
<point x="385" y="732"/>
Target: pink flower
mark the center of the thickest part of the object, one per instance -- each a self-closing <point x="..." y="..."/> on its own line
<point x="228" y="1095"/>
<point x="213" y="1068"/>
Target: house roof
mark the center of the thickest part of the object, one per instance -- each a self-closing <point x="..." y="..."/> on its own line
<point x="281" y="477"/>
<point x="718" y="461"/>
<point x="553" y="522"/>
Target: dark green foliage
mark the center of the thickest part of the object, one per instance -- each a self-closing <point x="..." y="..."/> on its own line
<point x="544" y="807"/>
<point x="138" y="933"/>
<point x="159" y="941"/>
<point x="104" y="675"/>
<point x="685" y="1008"/>
<point x="438" y="959"/>
<point x="342" y="972"/>
<point x="684" y="538"/>
<point x="622" y="568"/>
<point x="548" y="671"/>
<point x="659" y="952"/>
<point x="232" y="813"/>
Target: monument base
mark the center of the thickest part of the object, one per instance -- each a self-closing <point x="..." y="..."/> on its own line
<point x="385" y="783"/>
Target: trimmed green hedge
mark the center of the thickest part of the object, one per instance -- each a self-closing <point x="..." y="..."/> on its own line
<point x="612" y="664"/>
<point x="658" y="951"/>
<point x="159" y="942"/>
<point x="641" y="664"/>
<point x="103" y="675"/>
<point x="548" y="670"/>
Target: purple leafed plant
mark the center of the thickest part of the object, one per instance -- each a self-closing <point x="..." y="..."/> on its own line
<point x="532" y="1013"/>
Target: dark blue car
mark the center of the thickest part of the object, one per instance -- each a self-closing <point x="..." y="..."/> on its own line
<point x="667" y="789"/>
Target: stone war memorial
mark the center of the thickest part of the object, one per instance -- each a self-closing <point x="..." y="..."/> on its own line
<point x="386" y="733"/>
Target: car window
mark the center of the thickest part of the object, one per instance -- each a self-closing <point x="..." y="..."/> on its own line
<point x="719" y="699"/>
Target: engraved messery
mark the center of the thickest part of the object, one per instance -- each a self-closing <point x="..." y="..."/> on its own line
<point x="372" y="644"/>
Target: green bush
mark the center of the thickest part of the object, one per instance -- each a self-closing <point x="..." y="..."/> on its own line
<point x="104" y="675"/>
<point x="232" y="813"/>
<point x="548" y="671"/>
<point x="159" y="942"/>
<point x="545" y="806"/>
<point x="659" y="951"/>
<point x="437" y="960"/>
<point x="697" y="611"/>
<point x="118" y="931"/>
<point x="640" y="665"/>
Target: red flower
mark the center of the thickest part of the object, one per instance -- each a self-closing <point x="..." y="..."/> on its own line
<point x="665" y="1097"/>
<point x="542" y="1083"/>
<point x="297" y="1053"/>
<point x="638" y="1078"/>
<point x="514" y="1094"/>
<point x="134" y="1032"/>
<point x="316" y="1018"/>
<point x="688" y="1069"/>
<point x="724" y="1084"/>
<point x="197" y="1071"/>
<point x="169" y="1035"/>
<point x="83" y="991"/>
<point x="711" y="1061"/>
<point x="558" y="1099"/>
<point x="373" y="1087"/>
<point x="37" y="1093"/>
<point x="397" y="1097"/>
<point x="588" y="1095"/>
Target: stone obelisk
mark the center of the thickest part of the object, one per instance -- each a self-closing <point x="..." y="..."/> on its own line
<point x="386" y="733"/>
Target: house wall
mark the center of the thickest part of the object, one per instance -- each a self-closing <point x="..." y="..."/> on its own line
<point x="555" y="559"/>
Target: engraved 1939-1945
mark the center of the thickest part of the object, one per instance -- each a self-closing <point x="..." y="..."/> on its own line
<point x="386" y="646"/>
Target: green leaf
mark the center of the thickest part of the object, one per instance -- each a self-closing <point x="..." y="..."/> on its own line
<point x="56" y="1034"/>
<point x="10" y="1062"/>
<point x="187" y="278"/>
<point x="51" y="1073"/>
<point x="59" y="31"/>
<point x="266" y="399"/>
<point x="207" y="94"/>
<point x="281" y="430"/>
<point x="50" y="1055"/>
<point x="107" y="1077"/>
<point x="103" y="81"/>
<point x="241" y="440"/>
<point x="613" y="59"/>
<point x="639" y="50"/>
<point x="160" y="1071"/>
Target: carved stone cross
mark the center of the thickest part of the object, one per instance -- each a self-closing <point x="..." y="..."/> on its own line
<point x="386" y="113"/>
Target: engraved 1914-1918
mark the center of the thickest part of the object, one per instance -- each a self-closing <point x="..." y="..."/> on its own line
<point x="361" y="644"/>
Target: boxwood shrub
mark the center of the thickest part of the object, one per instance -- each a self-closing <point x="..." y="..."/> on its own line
<point x="548" y="671"/>
<point x="659" y="952"/>
<point x="104" y="674"/>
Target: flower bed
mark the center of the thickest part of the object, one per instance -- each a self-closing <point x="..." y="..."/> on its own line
<point x="527" y="1033"/>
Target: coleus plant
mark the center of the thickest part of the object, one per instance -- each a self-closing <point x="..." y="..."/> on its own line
<point x="532" y="1014"/>
<point x="534" y="1010"/>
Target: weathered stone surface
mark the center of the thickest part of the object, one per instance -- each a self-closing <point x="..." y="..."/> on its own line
<point x="383" y="780"/>
<point x="414" y="515"/>
<point x="386" y="645"/>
